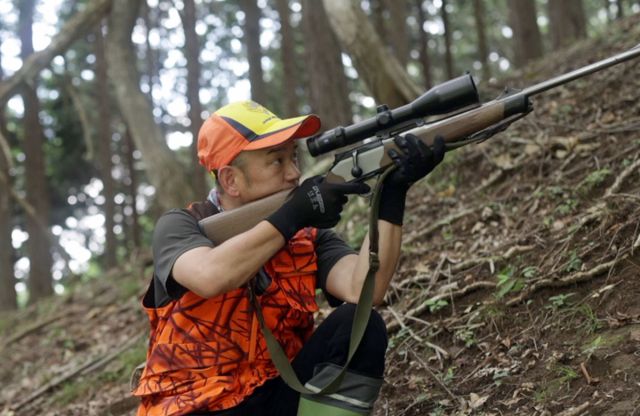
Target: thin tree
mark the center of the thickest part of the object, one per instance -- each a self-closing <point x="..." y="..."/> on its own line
<point x="104" y="148"/>
<point x="327" y="82"/>
<point x="166" y="174"/>
<point x="423" y="45"/>
<point x="448" y="56"/>
<point x="567" y="22"/>
<point x="38" y="247"/>
<point x="380" y="70"/>
<point x="8" y="298"/>
<point x="527" y="41"/>
<point x="254" y="51"/>
<point x="192" y="47"/>
<point x="133" y="223"/>
<point x="288" y="57"/>
<point x="620" y="7"/>
<point x="483" y="50"/>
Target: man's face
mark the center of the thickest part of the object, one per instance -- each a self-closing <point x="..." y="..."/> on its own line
<point x="267" y="171"/>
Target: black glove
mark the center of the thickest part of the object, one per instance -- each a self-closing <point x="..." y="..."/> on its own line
<point x="414" y="163"/>
<point x="315" y="203"/>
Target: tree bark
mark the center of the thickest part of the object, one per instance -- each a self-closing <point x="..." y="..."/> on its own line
<point x="423" y="45"/>
<point x="104" y="149"/>
<point x="483" y="50"/>
<point x="8" y="298"/>
<point x="75" y="27"/>
<point x="326" y="78"/>
<point x="38" y="248"/>
<point x="254" y="51"/>
<point x="291" y="80"/>
<point x="381" y="72"/>
<point x="192" y="46"/>
<point x="527" y="42"/>
<point x="134" y="224"/>
<point x="173" y="187"/>
<point x="620" y="7"/>
<point x="567" y="22"/>
<point x="448" y="57"/>
<point x="399" y="38"/>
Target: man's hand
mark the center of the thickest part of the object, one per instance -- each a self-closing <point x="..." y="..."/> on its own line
<point x="415" y="162"/>
<point x="315" y="203"/>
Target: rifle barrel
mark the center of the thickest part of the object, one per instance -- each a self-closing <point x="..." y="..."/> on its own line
<point x="581" y="72"/>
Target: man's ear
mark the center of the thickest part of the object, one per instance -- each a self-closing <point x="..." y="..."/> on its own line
<point x="228" y="179"/>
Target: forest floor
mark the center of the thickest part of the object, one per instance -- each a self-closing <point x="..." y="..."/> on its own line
<point x="517" y="292"/>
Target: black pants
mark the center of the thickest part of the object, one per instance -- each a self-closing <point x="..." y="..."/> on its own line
<point x="329" y="343"/>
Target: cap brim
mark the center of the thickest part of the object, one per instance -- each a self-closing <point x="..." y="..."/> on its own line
<point x="284" y="130"/>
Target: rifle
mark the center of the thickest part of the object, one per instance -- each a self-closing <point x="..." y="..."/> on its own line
<point x="464" y="121"/>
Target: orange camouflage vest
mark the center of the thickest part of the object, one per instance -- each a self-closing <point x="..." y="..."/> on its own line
<point x="209" y="354"/>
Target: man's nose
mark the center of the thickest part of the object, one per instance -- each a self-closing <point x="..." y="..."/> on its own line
<point x="292" y="173"/>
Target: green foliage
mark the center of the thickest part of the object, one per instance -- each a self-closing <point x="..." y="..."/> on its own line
<point x="567" y="206"/>
<point x="594" y="179"/>
<point x="467" y="336"/>
<point x="591" y="323"/>
<point x="71" y="391"/>
<point x="435" y="305"/>
<point x="575" y="263"/>
<point x="559" y="301"/>
<point x="529" y="272"/>
<point x="508" y="283"/>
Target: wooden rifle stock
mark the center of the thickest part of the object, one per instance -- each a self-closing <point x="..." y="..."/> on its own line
<point x="221" y="227"/>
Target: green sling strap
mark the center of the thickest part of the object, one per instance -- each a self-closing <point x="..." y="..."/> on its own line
<point x="360" y="318"/>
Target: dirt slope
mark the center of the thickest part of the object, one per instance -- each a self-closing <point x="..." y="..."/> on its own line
<point x="517" y="294"/>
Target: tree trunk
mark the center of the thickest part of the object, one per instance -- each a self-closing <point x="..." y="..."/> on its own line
<point x="104" y="149"/>
<point x="620" y="7"/>
<point x="567" y="22"/>
<point x="166" y="174"/>
<point x="134" y="224"/>
<point x="75" y="27"/>
<point x="527" y="42"/>
<point x="8" y="298"/>
<point x="327" y="81"/>
<point x="399" y="36"/>
<point x="423" y="45"/>
<point x="291" y="80"/>
<point x="192" y="46"/>
<point x="254" y="52"/>
<point x="381" y="72"/>
<point x="38" y="248"/>
<point x="377" y="18"/>
<point x="448" y="58"/>
<point x="483" y="51"/>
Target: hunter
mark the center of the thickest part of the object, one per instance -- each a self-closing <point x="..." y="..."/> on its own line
<point x="207" y="354"/>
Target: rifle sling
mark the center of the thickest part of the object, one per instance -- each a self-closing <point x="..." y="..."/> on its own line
<point x="360" y="318"/>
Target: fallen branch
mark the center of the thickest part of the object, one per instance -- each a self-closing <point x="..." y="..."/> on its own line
<point x="622" y="176"/>
<point x="413" y="335"/>
<point x="466" y="264"/>
<point x="571" y="279"/>
<point x="393" y="326"/>
<point x="574" y="411"/>
<point x="444" y="221"/>
<point x="91" y="364"/>
<point x="30" y="329"/>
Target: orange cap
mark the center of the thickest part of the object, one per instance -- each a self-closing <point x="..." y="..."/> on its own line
<point x="247" y="125"/>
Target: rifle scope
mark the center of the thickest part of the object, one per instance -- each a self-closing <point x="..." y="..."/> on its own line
<point x="442" y="99"/>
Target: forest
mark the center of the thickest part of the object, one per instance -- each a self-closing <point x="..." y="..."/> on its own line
<point x="517" y="288"/>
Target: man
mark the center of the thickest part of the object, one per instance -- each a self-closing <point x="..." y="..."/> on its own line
<point x="206" y="353"/>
